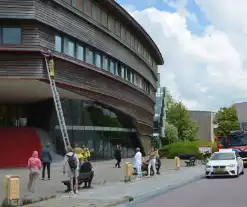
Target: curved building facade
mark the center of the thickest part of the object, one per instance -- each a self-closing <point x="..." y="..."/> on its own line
<point x="105" y="70"/>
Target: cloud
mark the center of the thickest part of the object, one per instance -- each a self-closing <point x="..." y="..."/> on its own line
<point x="205" y="71"/>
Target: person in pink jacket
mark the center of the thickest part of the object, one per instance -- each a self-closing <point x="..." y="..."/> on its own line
<point x="34" y="165"/>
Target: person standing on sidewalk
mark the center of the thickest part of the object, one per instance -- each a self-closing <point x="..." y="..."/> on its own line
<point x="152" y="161"/>
<point x="34" y="165"/>
<point x="118" y="156"/>
<point x="138" y="163"/>
<point x="46" y="160"/>
<point x="72" y="165"/>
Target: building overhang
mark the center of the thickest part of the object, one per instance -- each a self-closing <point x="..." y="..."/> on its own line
<point x="23" y="91"/>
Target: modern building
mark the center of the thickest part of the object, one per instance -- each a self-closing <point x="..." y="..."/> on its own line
<point x="204" y="120"/>
<point x="105" y="70"/>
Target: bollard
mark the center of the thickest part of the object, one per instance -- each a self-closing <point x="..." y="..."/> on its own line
<point x="12" y="188"/>
<point x="127" y="171"/>
<point x="177" y="163"/>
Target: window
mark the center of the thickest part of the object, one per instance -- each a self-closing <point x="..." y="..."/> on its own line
<point x="79" y="5"/>
<point x="136" y="44"/>
<point x="94" y="10"/>
<point x="118" y="70"/>
<point x="89" y="56"/>
<point x="123" y="72"/>
<point x="73" y="3"/>
<point x="105" y="63"/>
<point x="69" y="47"/>
<point x="80" y="52"/>
<point x="58" y="44"/>
<point x="111" y="25"/>
<point x="104" y="18"/>
<point x="88" y="7"/>
<point x="97" y="13"/>
<point x="135" y="78"/>
<point x="127" y="37"/>
<point x="11" y="35"/>
<point x="98" y="62"/>
<point x="132" y="41"/>
<point x="117" y="28"/>
<point x="122" y="32"/>
<point x="138" y="47"/>
<point x="131" y="76"/>
<point x="112" y="67"/>
<point x="140" y="83"/>
<point x="127" y="74"/>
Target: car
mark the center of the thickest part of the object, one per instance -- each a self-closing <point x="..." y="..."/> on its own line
<point x="224" y="163"/>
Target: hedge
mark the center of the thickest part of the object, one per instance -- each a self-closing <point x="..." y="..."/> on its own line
<point x="172" y="150"/>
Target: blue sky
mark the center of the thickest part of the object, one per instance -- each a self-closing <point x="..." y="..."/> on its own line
<point x="194" y="27"/>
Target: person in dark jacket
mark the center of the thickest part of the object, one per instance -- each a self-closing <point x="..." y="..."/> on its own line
<point x="87" y="169"/>
<point x="118" y="156"/>
<point x="46" y="160"/>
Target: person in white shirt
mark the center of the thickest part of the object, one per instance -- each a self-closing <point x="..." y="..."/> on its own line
<point x="138" y="163"/>
<point x="71" y="166"/>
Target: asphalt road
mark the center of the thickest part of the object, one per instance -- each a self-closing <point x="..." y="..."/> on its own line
<point x="220" y="192"/>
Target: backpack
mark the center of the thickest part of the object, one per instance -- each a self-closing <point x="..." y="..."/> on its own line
<point x="72" y="162"/>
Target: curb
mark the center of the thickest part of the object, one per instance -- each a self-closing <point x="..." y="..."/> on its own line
<point x="138" y="199"/>
<point x="124" y="200"/>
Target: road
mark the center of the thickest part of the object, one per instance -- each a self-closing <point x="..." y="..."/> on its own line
<point x="220" y="192"/>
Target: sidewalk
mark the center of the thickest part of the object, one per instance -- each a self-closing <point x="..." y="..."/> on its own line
<point x="120" y="193"/>
<point x="105" y="174"/>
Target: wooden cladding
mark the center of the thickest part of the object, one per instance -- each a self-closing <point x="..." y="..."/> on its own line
<point x="65" y="21"/>
<point x="15" y="64"/>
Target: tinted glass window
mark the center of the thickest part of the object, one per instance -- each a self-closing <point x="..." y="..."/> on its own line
<point x="98" y="60"/>
<point x="11" y="35"/>
<point x="89" y="56"/>
<point x="58" y="44"/>
<point x="80" y="52"/>
<point x="69" y="47"/>
<point x="112" y="67"/>
<point x="123" y="72"/>
<point x="105" y="63"/>
<point x="223" y="156"/>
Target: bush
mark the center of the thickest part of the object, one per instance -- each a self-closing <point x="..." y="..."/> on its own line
<point x="172" y="150"/>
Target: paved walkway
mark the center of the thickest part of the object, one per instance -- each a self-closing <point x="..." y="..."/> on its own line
<point x="105" y="174"/>
<point x="119" y="194"/>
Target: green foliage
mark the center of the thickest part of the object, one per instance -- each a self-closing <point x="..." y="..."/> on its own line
<point x="191" y="147"/>
<point x="178" y="115"/>
<point x="227" y="121"/>
<point x="169" y="99"/>
<point x="171" y="134"/>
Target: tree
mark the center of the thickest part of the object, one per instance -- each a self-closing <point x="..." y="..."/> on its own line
<point x="178" y="115"/>
<point x="169" y="99"/>
<point x="226" y="120"/>
<point x="171" y="134"/>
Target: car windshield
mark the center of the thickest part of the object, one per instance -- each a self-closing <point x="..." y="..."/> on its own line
<point x="223" y="156"/>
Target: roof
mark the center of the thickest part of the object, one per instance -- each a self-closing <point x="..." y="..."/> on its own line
<point x="129" y="21"/>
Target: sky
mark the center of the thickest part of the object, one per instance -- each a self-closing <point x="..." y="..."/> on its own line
<point x="204" y="46"/>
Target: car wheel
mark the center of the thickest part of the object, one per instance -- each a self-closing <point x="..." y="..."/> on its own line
<point x="207" y="176"/>
<point x="237" y="173"/>
<point x="242" y="172"/>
